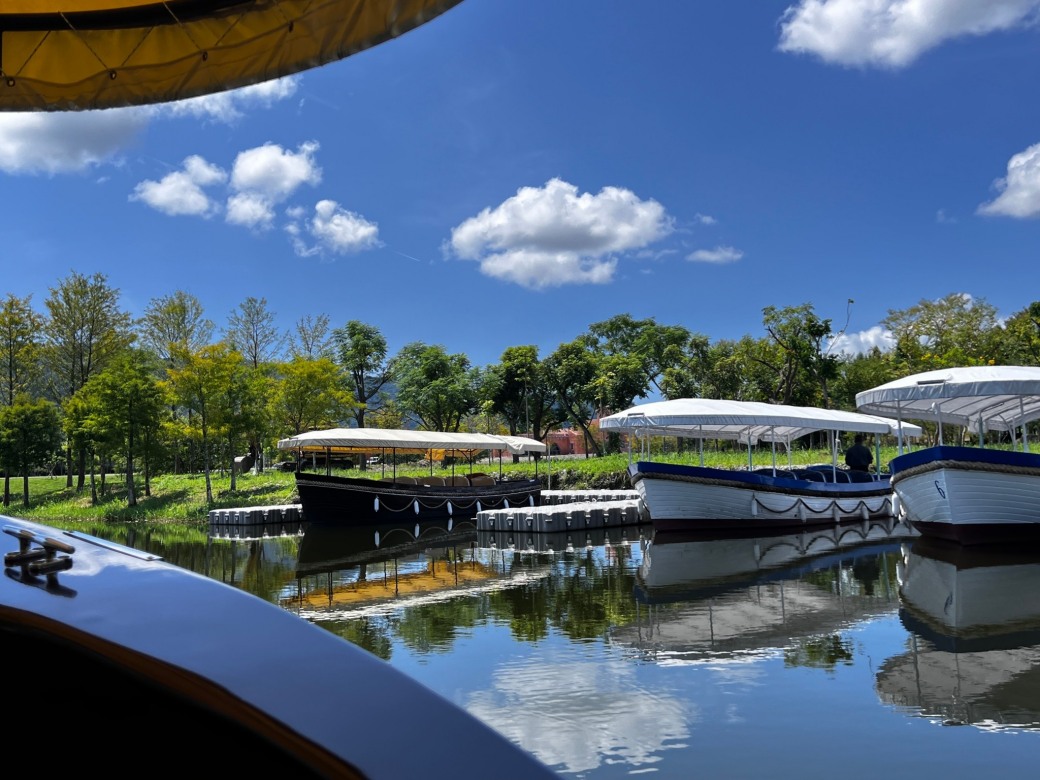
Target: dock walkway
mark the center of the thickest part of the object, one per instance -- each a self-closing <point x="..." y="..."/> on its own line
<point x="560" y="510"/>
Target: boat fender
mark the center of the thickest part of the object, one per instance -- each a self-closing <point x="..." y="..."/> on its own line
<point x="530" y="500"/>
<point x="416" y="530"/>
<point x="505" y="503"/>
<point x="754" y="506"/>
<point x="836" y="511"/>
<point x="478" y="506"/>
<point x="377" y="538"/>
<point x="416" y="503"/>
<point x="449" y="519"/>
<point x="864" y="512"/>
<point x="449" y="513"/>
<point x="801" y="511"/>
<point x="376" y="503"/>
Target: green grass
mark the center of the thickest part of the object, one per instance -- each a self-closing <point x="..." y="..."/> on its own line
<point x="178" y="498"/>
<point x="182" y="498"/>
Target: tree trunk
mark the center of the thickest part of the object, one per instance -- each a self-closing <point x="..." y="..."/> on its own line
<point x="147" y="470"/>
<point x="93" y="480"/>
<point x="81" y="468"/>
<point x="131" y="497"/>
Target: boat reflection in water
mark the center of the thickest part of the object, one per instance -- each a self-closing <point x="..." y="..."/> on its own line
<point x="974" y="618"/>
<point x="345" y="572"/>
<point x="712" y="599"/>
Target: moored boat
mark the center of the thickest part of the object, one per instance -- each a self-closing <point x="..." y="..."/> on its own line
<point x="336" y="499"/>
<point x="683" y="496"/>
<point x="973" y="494"/>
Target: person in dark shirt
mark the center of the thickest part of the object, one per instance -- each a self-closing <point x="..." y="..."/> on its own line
<point x="858" y="457"/>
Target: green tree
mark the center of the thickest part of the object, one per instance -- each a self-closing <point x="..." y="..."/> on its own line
<point x="1020" y="345"/>
<point x="957" y="330"/>
<point x="705" y="370"/>
<point x="19" y="346"/>
<point x="85" y="430"/>
<point x="309" y="394"/>
<point x="435" y="388"/>
<point x="361" y="351"/>
<point x="84" y="331"/>
<point x="572" y="371"/>
<point x="642" y="350"/>
<point x="201" y="385"/>
<point x="30" y="435"/>
<point x="312" y="339"/>
<point x="172" y="322"/>
<point x="804" y="369"/>
<point x="251" y="331"/>
<point x="19" y="351"/>
<point x="240" y="411"/>
<point x="129" y="402"/>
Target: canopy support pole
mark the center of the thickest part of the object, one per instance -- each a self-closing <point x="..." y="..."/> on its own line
<point x="1022" y="415"/>
<point x="834" y="453"/>
<point x="899" y="430"/>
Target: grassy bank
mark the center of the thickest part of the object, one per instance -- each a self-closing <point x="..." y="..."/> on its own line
<point x="182" y="498"/>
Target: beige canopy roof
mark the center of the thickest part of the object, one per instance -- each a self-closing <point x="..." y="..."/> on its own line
<point x="391" y="438"/>
<point x="67" y="55"/>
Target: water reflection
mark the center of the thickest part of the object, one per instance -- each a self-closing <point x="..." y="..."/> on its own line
<point x="616" y="652"/>
<point x="974" y="618"/>
<point x="715" y="600"/>
<point x="344" y="573"/>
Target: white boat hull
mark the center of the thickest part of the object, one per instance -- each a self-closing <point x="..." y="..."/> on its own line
<point x="680" y="498"/>
<point x="970" y="495"/>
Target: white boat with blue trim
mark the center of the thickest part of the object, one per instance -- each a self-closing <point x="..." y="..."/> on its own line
<point x="682" y="496"/>
<point x="974" y="494"/>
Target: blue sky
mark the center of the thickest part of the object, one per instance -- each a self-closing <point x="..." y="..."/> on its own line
<point x="513" y="171"/>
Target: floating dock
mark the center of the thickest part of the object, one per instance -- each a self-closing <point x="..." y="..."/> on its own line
<point x="560" y="510"/>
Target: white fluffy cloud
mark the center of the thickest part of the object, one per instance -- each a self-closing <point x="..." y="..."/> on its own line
<point x="551" y="236"/>
<point x="248" y="210"/>
<point x="862" y="342"/>
<point x="227" y="107"/>
<point x="182" y="192"/>
<point x="719" y="255"/>
<point x="275" y="172"/>
<point x="1020" y="189"/>
<point x="893" y="33"/>
<point x="74" y="141"/>
<point x="261" y="179"/>
<point x="66" y="142"/>
<point x="333" y="229"/>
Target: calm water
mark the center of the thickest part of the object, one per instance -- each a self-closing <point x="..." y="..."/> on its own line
<point x="855" y="652"/>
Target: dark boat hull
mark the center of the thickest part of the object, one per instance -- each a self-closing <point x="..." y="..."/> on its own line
<point x="87" y="623"/>
<point x="346" y="500"/>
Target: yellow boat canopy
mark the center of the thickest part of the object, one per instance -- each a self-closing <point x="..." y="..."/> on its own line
<point x="70" y="55"/>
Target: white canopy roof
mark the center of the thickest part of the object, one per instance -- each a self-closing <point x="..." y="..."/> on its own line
<point x="707" y="418"/>
<point x="995" y="397"/>
<point x="388" y="438"/>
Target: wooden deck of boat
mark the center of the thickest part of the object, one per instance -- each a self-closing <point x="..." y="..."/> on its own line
<point x="560" y="510"/>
